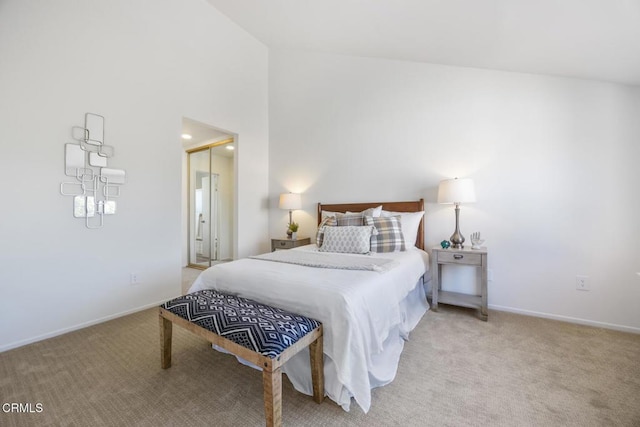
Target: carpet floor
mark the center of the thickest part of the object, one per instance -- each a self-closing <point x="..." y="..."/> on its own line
<point x="455" y="371"/>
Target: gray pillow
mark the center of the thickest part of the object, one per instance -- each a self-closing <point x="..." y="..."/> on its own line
<point x="350" y="219"/>
<point x="329" y="221"/>
<point x="389" y="237"/>
<point x="348" y="239"/>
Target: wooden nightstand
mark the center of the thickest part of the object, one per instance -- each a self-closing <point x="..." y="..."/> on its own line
<point x="288" y="243"/>
<point x="474" y="257"/>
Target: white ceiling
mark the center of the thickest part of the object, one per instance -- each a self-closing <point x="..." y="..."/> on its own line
<point x="202" y="134"/>
<point x="593" y="39"/>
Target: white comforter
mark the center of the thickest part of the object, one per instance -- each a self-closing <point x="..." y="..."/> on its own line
<point x="365" y="314"/>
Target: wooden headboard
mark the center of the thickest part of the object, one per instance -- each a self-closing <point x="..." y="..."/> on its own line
<point x="414" y="206"/>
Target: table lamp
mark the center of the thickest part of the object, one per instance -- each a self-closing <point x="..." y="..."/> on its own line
<point x="456" y="191"/>
<point x="291" y="202"/>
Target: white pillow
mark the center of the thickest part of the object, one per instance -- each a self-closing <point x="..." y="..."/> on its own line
<point x="410" y="222"/>
<point x="349" y="239"/>
<point x="374" y="212"/>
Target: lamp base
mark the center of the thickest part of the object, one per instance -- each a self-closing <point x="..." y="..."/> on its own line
<point x="457" y="239"/>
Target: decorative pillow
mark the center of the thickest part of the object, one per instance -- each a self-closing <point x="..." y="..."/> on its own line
<point x="374" y="212"/>
<point x="328" y="213"/>
<point x="389" y="237"/>
<point x="329" y="221"/>
<point x="348" y="239"/>
<point x="410" y="222"/>
<point x="349" y="219"/>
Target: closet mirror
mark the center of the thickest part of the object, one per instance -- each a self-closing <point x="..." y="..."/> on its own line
<point x="210" y="202"/>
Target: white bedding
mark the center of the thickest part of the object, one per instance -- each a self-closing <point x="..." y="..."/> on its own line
<point x="328" y="260"/>
<point x="366" y="315"/>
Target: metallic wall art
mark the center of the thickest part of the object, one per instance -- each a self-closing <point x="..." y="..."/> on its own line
<point x="95" y="185"/>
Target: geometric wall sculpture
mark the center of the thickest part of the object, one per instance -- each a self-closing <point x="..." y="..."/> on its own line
<point x="95" y="184"/>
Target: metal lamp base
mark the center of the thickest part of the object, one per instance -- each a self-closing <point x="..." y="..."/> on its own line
<point x="457" y="239"/>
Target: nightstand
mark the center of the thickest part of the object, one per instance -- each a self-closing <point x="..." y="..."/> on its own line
<point x="473" y="257"/>
<point x="289" y="243"/>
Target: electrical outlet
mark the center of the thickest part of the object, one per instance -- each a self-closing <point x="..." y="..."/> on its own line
<point x="134" y="278"/>
<point x="582" y="283"/>
<point x="489" y="275"/>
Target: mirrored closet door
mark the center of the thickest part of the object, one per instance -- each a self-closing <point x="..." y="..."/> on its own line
<point x="211" y="204"/>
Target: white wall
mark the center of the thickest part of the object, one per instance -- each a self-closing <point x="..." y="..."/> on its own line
<point x="143" y="65"/>
<point x="554" y="161"/>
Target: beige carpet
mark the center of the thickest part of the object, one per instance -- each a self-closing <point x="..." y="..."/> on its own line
<point x="189" y="275"/>
<point x="455" y="371"/>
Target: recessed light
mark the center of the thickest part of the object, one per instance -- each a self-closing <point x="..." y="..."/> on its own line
<point x="186" y="136"/>
<point x="230" y="147"/>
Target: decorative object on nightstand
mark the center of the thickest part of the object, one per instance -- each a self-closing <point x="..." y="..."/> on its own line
<point x="477" y="258"/>
<point x="456" y="191"/>
<point x="293" y="228"/>
<point x="289" y="243"/>
<point x="291" y="202"/>
<point x="445" y="244"/>
<point x="476" y="240"/>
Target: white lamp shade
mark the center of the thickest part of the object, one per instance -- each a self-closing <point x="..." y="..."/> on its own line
<point x="290" y="201"/>
<point x="457" y="191"/>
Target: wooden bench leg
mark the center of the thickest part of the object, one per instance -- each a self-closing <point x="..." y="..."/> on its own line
<point x="166" y="331"/>
<point x="272" y="384"/>
<point x="317" y="369"/>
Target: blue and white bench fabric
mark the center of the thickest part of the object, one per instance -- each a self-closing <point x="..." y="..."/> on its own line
<point x="261" y="328"/>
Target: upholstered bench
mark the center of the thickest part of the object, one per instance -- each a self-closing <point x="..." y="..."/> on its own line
<point x="263" y="335"/>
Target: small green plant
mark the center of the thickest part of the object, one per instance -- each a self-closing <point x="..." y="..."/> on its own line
<point x="293" y="227"/>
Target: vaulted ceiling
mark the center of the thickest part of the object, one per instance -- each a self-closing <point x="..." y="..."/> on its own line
<point x="592" y="39"/>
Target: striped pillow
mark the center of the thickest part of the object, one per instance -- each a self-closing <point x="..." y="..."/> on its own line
<point x="350" y="219"/>
<point x="389" y="237"/>
<point x="410" y="223"/>
<point x="329" y="221"/>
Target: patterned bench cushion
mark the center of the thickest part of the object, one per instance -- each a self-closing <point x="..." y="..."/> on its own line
<point x="264" y="329"/>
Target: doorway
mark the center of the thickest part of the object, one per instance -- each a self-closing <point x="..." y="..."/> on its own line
<point x="210" y="202"/>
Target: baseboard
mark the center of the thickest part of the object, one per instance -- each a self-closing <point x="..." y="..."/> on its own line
<point x="79" y="326"/>
<point x="566" y="319"/>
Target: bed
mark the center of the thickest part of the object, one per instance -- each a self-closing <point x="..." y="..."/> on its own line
<point x="367" y="309"/>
